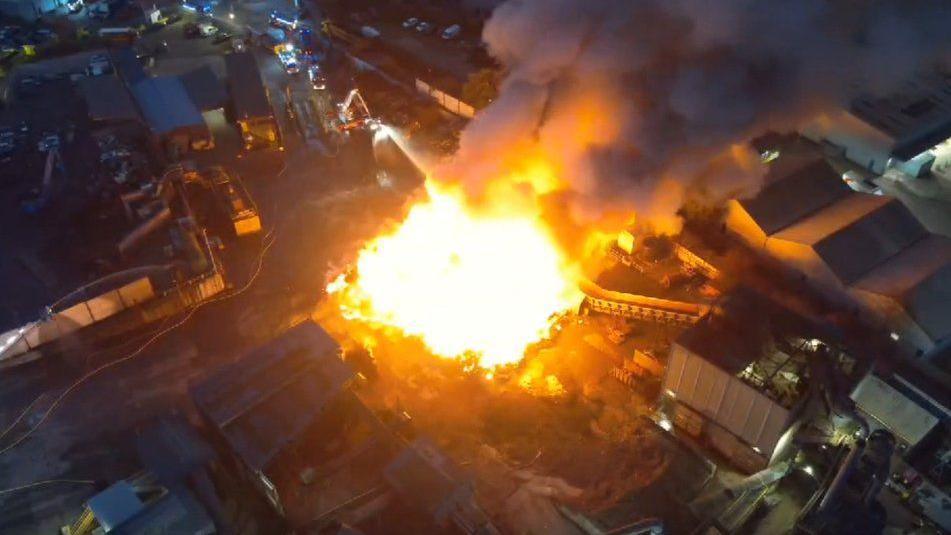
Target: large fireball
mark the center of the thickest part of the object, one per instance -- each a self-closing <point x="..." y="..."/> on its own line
<point x="465" y="281"/>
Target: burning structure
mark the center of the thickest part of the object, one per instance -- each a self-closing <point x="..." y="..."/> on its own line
<point x="463" y="280"/>
<point x="583" y="134"/>
<point x="586" y="132"/>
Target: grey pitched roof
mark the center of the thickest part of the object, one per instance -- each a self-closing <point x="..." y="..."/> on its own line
<point x="204" y="88"/>
<point x="929" y="304"/>
<point x="858" y="233"/>
<point x="794" y="190"/>
<point x="107" y="99"/>
<point x="128" y="66"/>
<point x="266" y="399"/>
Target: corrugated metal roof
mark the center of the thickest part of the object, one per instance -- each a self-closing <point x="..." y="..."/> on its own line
<point x="107" y="99"/>
<point x="206" y="91"/>
<point x="929" y="304"/>
<point x="127" y="66"/>
<point x="794" y="189"/>
<point x="891" y="409"/>
<point x="166" y="105"/>
<point x="262" y="402"/>
<point x="857" y="233"/>
<point x="426" y="478"/>
<point x="900" y="274"/>
<point x="737" y="407"/>
<point x="916" y="116"/>
<point x="245" y="86"/>
<point x="919" y="278"/>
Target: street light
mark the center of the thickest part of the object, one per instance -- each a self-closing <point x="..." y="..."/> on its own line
<point x="231" y="15"/>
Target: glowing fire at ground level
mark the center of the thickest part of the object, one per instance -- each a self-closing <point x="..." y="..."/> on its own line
<point x="484" y="282"/>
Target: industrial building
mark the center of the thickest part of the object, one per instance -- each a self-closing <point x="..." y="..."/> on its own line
<point x="427" y="480"/>
<point x="898" y="130"/>
<point x="162" y="262"/>
<point x="893" y="404"/>
<point x="736" y="379"/>
<point x="867" y="248"/>
<point x="272" y="414"/>
<point x="168" y="107"/>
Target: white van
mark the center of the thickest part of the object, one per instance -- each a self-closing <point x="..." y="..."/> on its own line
<point x="451" y="32"/>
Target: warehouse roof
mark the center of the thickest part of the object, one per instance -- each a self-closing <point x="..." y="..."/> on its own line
<point x="900" y="274"/>
<point x="929" y="303"/>
<point x="795" y="188"/>
<point x="204" y="88"/>
<point x="917" y="116"/>
<point x="856" y="234"/>
<point x="107" y="99"/>
<point x="738" y="330"/>
<point x="166" y="105"/>
<point x="266" y="399"/>
<point x="127" y="66"/>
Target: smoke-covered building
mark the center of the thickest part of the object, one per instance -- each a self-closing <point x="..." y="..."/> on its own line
<point x="871" y="247"/>
<point x="897" y="130"/>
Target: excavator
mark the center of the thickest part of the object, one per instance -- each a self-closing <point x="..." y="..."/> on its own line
<point x="353" y="114"/>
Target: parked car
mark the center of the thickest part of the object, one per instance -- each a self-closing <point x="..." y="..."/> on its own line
<point x="410" y="23"/>
<point x="317" y="79"/>
<point x="207" y="29"/>
<point x="98" y="65"/>
<point x="425" y="28"/>
<point x="451" y="32"/>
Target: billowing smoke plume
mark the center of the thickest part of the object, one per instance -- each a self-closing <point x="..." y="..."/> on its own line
<point x="624" y="95"/>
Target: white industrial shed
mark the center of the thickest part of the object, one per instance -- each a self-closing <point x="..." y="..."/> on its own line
<point x="713" y="392"/>
<point x="888" y="408"/>
<point x="756" y="421"/>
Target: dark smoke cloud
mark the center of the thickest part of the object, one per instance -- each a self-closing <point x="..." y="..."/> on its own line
<point x="628" y="94"/>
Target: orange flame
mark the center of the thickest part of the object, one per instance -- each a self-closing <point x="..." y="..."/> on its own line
<point x="483" y="281"/>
